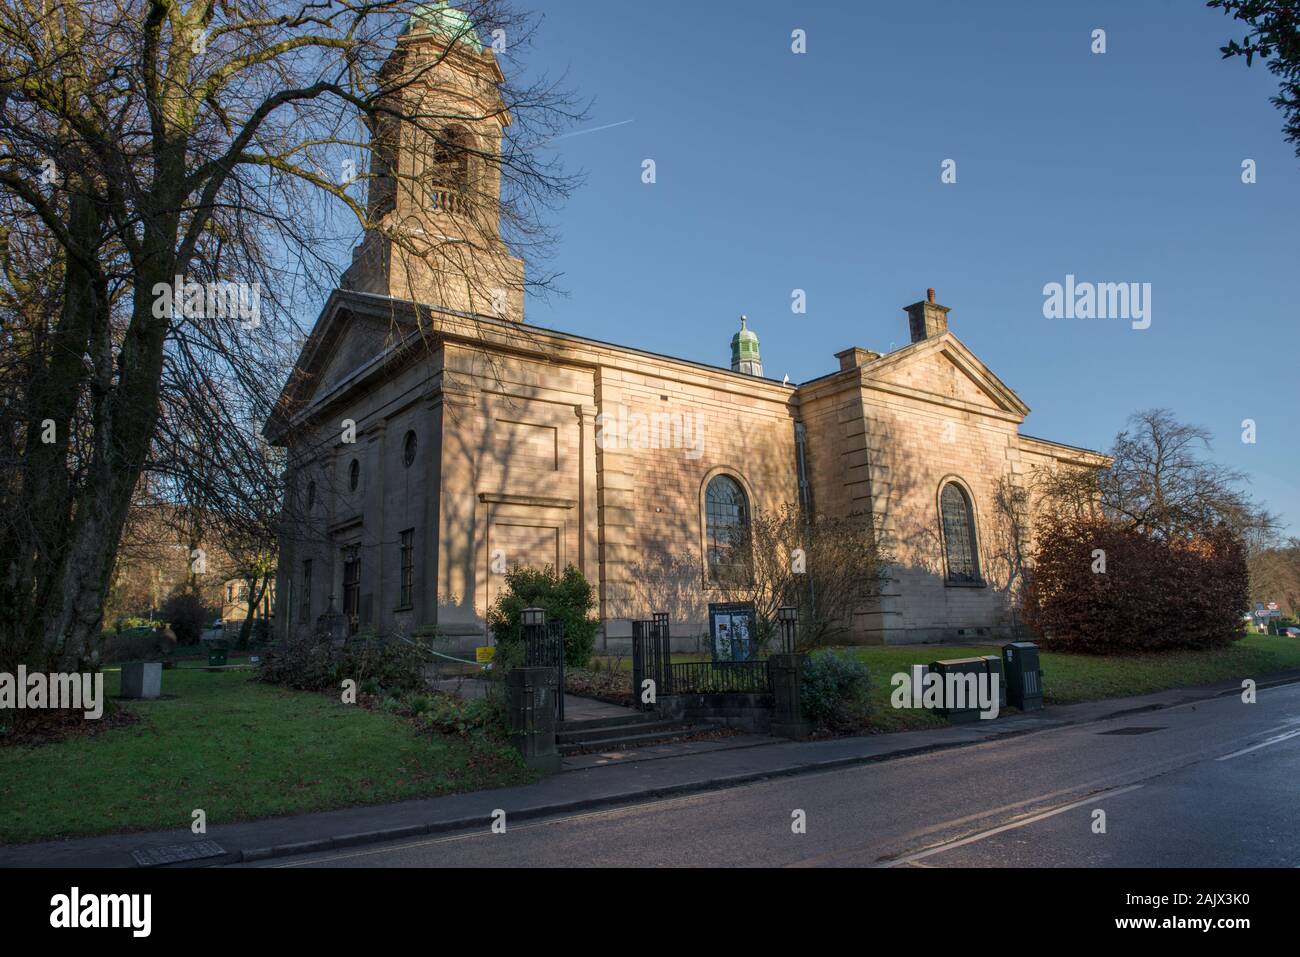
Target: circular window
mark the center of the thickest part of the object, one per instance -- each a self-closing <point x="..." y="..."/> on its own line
<point x="354" y="475"/>
<point x="311" y="494"/>
<point x="408" y="449"/>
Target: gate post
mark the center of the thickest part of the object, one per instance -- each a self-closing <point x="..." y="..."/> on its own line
<point x="786" y="672"/>
<point x="638" y="663"/>
<point x="663" y="654"/>
<point x="530" y="717"/>
<point x="544" y="647"/>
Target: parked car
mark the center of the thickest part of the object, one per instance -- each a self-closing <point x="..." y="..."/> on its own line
<point x="218" y="625"/>
<point x="1291" y="631"/>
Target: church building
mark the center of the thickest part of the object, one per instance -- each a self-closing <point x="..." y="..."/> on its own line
<point x="435" y="439"/>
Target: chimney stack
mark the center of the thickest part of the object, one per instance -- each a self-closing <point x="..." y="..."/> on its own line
<point x="927" y="319"/>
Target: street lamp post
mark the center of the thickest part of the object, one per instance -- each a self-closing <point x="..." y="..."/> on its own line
<point x="534" y="620"/>
<point x="788" y="618"/>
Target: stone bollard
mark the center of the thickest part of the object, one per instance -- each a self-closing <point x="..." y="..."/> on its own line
<point x="787" y="718"/>
<point x="530" y="717"/>
<point x="142" y="679"/>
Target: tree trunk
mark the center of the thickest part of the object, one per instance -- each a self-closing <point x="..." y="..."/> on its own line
<point x="124" y="419"/>
<point x="254" y="599"/>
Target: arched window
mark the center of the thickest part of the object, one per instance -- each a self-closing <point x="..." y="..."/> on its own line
<point x="450" y="173"/>
<point x="959" y="535"/>
<point x="311" y="494"/>
<point x="408" y="449"/>
<point x="726" y="522"/>
<point x="354" y="475"/>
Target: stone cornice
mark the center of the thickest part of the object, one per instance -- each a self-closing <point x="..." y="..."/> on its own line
<point x="540" y="501"/>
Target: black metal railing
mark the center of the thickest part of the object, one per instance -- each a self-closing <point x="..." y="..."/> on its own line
<point x="544" y="648"/>
<point x="720" y="677"/>
<point x="652" y="658"/>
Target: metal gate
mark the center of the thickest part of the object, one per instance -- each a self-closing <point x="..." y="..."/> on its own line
<point x="652" y="658"/>
<point x="545" y="649"/>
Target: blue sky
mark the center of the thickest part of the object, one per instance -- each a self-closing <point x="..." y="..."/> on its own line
<point x="821" y="171"/>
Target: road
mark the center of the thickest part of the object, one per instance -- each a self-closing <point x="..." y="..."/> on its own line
<point x="1213" y="784"/>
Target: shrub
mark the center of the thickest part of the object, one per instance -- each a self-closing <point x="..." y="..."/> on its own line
<point x="508" y="656"/>
<point x="391" y="664"/>
<point x="261" y="632"/>
<point x="835" y="690"/>
<point x="313" y="663"/>
<point x="451" y="715"/>
<point x="134" y="646"/>
<point x="185" y="613"/>
<point x="1154" y="594"/>
<point x="129" y="624"/>
<point x="568" y="598"/>
<point x="307" y="663"/>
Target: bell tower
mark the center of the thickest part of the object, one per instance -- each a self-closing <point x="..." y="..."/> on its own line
<point x="434" y="183"/>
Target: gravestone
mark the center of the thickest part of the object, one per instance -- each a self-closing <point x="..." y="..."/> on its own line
<point x="142" y="679"/>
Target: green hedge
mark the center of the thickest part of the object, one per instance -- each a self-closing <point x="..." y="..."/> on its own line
<point x="568" y="598"/>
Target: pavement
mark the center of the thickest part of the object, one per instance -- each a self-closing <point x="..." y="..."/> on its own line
<point x="598" y="786"/>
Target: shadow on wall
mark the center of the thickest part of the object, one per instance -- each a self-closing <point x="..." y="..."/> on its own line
<point x="918" y="603"/>
<point x="978" y="613"/>
<point x="494" y="460"/>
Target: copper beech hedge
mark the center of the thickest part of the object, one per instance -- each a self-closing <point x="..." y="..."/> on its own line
<point x="1152" y="595"/>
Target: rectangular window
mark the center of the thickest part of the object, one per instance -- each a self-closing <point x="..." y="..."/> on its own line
<point x="352" y="588"/>
<point x="408" y="567"/>
<point x="306" y="590"/>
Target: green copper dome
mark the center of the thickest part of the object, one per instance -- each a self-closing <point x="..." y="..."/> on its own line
<point x="744" y="351"/>
<point x="443" y="19"/>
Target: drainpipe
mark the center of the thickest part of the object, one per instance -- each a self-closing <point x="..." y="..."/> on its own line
<point x="805" y="503"/>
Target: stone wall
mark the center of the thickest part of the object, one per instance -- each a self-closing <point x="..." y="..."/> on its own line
<point x="538" y="448"/>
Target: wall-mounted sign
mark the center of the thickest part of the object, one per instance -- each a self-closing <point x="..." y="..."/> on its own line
<point x="731" y="631"/>
<point x="484" y="653"/>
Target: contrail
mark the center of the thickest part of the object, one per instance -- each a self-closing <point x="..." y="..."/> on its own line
<point x="594" y="129"/>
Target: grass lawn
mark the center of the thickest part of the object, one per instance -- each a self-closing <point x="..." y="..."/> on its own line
<point x="1068" y="679"/>
<point x="239" y="750"/>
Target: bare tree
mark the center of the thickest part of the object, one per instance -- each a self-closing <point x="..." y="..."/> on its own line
<point x="1009" y="543"/>
<point x="1161" y="484"/>
<point x="830" y="568"/>
<point x="145" y="140"/>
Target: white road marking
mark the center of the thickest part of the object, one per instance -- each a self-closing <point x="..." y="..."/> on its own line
<point x="1278" y="739"/>
<point x="1091" y="799"/>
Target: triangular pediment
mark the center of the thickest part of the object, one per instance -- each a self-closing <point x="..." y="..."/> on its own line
<point x="943" y="368"/>
<point x="363" y="338"/>
<point x="353" y="331"/>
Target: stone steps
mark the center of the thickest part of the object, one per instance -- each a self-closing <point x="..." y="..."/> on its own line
<point x="607" y="734"/>
<point x="612" y="721"/>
